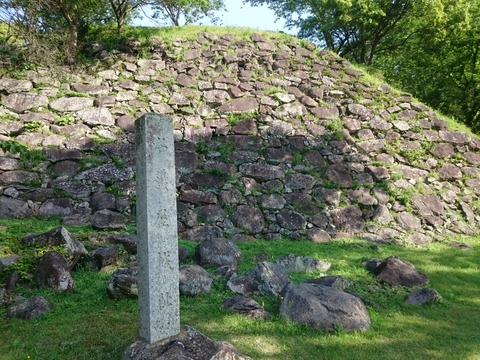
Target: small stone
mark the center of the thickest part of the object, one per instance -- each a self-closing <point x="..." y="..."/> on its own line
<point x="423" y="296"/>
<point x="29" y="309"/>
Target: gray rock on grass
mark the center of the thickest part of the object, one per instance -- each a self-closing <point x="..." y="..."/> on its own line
<point x="396" y="271"/>
<point x="194" y="280"/>
<point x="123" y="284"/>
<point x="243" y="285"/>
<point x="188" y="345"/>
<point x="53" y="272"/>
<point x="105" y="255"/>
<point x="246" y="306"/>
<point x="423" y="296"/>
<point x="270" y="277"/>
<point x="323" y="308"/>
<point x="29" y="309"/>
<point x="58" y="236"/>
<point x="217" y="252"/>
<point x="296" y="263"/>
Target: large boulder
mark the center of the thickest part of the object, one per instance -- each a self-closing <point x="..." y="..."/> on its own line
<point x="217" y="252"/>
<point x="348" y="219"/>
<point x="243" y="285"/>
<point x="423" y="296"/>
<point x="68" y="104"/>
<point x="396" y="271"/>
<point x="29" y="309"/>
<point x="339" y="175"/>
<point x="262" y="173"/>
<point x="210" y="214"/>
<point x="291" y="220"/>
<point x="105" y="173"/>
<point x="296" y="263"/>
<point x="13" y="85"/>
<point x="239" y="106"/>
<point x="20" y="102"/>
<point x="102" y="200"/>
<point x="96" y="116"/>
<point x="105" y="255"/>
<point x="56" y="207"/>
<point x="323" y="307"/>
<point x="188" y="345"/>
<point x="123" y="284"/>
<point x="13" y="208"/>
<point x="52" y="271"/>
<point x="270" y="277"/>
<point x="194" y="280"/>
<point x="58" y="236"/>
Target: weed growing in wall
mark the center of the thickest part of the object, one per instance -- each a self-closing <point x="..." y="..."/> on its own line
<point x="334" y="125"/>
<point x="216" y="172"/>
<point x="32" y="126"/>
<point x="234" y="119"/>
<point x="64" y="120"/>
<point x="13" y="146"/>
<point x="28" y="157"/>
<point x="225" y="148"/>
<point x="119" y="162"/>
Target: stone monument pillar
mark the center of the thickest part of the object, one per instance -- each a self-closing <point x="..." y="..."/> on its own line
<point x="158" y="292"/>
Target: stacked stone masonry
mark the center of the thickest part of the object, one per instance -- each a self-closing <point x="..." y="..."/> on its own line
<point x="273" y="138"/>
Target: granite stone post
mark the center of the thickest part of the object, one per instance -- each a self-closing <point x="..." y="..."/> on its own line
<point x="158" y="288"/>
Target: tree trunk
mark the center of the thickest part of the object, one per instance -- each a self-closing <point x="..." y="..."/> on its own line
<point x="72" y="47"/>
<point x="363" y="45"/>
<point x="328" y="40"/>
<point x="120" y="25"/>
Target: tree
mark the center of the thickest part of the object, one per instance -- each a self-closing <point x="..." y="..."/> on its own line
<point x="52" y="24"/>
<point x="123" y="8"/>
<point x="430" y="48"/>
<point x="191" y="10"/>
<point x="26" y="26"/>
<point x="441" y="65"/>
<point x="355" y="29"/>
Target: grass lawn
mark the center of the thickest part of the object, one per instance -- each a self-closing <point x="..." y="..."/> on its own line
<point x="86" y="324"/>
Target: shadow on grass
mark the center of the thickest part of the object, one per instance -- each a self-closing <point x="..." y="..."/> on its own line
<point x="88" y="325"/>
<point x="447" y="330"/>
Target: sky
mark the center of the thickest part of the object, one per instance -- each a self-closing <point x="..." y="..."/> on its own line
<point x="259" y="18"/>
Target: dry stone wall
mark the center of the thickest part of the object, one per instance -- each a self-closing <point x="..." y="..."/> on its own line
<point x="273" y="138"/>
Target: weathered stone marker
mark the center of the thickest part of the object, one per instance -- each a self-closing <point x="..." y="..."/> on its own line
<point x="158" y="293"/>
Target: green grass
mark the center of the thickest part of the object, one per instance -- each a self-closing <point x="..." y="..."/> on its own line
<point x="168" y="34"/>
<point x="86" y="324"/>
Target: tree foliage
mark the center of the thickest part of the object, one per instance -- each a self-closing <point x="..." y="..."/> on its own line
<point x="190" y="10"/>
<point x="54" y="30"/>
<point x="122" y="9"/>
<point x="441" y="66"/>
<point x="428" y="47"/>
<point x="355" y="29"/>
<point x="48" y="26"/>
